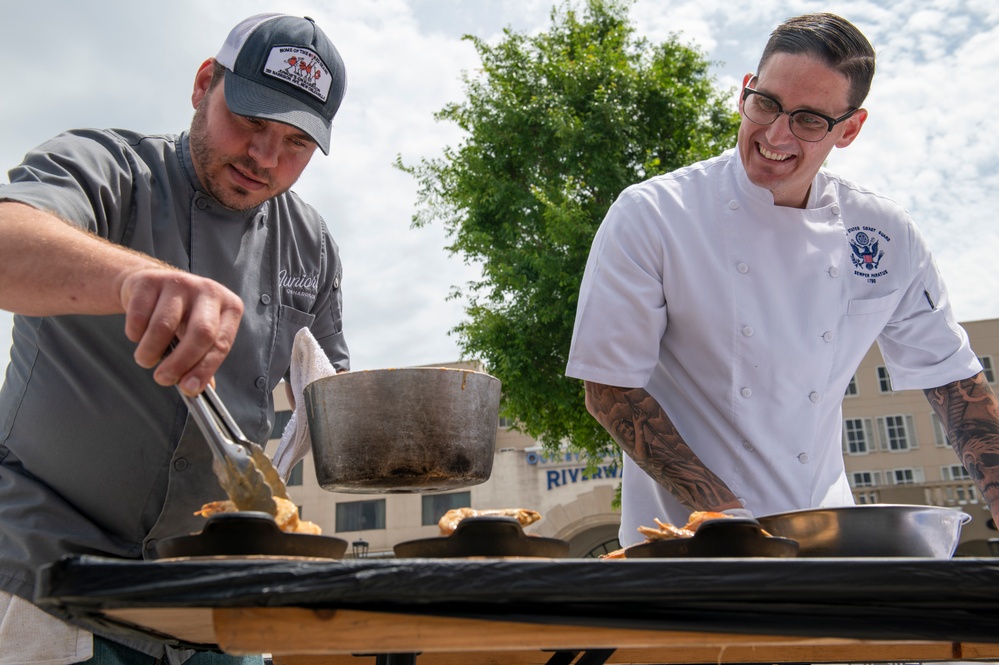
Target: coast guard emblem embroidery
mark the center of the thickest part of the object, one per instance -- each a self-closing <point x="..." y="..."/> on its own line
<point x="868" y="250"/>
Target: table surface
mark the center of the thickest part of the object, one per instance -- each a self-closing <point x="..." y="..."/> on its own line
<point x="664" y="610"/>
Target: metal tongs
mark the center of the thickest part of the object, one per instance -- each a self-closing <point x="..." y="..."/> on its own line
<point x="245" y="472"/>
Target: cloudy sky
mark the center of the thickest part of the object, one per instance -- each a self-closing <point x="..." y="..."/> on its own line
<point x="930" y="141"/>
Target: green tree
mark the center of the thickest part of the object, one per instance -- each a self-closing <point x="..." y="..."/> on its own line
<point x="556" y="126"/>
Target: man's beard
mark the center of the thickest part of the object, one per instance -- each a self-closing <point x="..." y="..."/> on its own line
<point x="207" y="164"/>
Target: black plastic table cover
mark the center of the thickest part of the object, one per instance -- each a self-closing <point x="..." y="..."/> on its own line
<point x="885" y="599"/>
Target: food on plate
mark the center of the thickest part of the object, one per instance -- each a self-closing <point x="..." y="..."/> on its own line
<point x="449" y="522"/>
<point x="664" y="531"/>
<point x="286" y="518"/>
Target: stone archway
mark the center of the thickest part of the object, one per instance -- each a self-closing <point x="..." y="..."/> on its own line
<point x="587" y="522"/>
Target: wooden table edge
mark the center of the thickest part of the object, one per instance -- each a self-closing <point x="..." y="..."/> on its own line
<point x="300" y="636"/>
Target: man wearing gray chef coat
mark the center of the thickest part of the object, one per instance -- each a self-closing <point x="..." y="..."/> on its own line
<point x="115" y="243"/>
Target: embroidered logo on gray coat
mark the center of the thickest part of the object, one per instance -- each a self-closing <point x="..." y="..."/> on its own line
<point x="299" y="285"/>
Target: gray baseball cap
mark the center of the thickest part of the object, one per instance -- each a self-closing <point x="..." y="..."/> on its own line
<point x="284" y="68"/>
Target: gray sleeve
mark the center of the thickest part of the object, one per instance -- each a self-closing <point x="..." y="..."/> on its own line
<point x="328" y="326"/>
<point x="82" y="176"/>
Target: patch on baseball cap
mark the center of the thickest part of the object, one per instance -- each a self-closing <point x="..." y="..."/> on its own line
<point x="300" y="67"/>
<point x="284" y="68"/>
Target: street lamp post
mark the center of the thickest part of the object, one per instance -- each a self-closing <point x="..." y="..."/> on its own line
<point x="360" y="548"/>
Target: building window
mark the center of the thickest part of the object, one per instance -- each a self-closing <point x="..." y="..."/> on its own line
<point x="954" y="472"/>
<point x="505" y="423"/>
<point x="360" y="515"/>
<point x="865" y="479"/>
<point x="281" y="419"/>
<point x="939" y="435"/>
<point x="435" y="505"/>
<point x="898" y="433"/>
<point x="864" y="498"/>
<point x="296" y="475"/>
<point x="905" y="476"/>
<point x="858" y="435"/>
<point x="851" y="388"/>
<point x="884" y="380"/>
<point x="962" y="495"/>
<point x="602" y="549"/>
<point x="990" y="375"/>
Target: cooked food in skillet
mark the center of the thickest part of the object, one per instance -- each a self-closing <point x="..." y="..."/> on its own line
<point x="286" y="518"/>
<point x="668" y="531"/>
<point x="451" y="518"/>
<point x="664" y="531"/>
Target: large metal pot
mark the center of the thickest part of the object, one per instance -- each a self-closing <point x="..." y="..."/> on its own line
<point x="873" y="530"/>
<point x="420" y="429"/>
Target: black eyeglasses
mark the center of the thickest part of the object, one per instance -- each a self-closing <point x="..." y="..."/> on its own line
<point x="806" y="125"/>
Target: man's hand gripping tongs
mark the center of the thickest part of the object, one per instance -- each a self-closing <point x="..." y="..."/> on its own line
<point x="245" y="472"/>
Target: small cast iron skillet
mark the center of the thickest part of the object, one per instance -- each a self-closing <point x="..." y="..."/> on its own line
<point x="721" y="538"/>
<point x="249" y="533"/>
<point x="484" y="536"/>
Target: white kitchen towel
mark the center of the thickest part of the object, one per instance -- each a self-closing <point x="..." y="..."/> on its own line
<point x="29" y="636"/>
<point x="308" y="363"/>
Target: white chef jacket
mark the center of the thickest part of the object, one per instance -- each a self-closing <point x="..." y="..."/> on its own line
<point x="746" y="321"/>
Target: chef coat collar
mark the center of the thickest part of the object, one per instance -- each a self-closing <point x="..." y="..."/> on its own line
<point x="187" y="164"/>
<point x="817" y="197"/>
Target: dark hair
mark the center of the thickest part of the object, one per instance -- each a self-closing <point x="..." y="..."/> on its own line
<point x="832" y="39"/>
<point x="218" y="73"/>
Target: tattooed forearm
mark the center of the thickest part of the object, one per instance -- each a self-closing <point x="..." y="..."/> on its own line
<point x="969" y="412"/>
<point x="643" y="430"/>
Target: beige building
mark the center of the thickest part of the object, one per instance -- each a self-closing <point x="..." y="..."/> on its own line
<point x="896" y="451"/>
<point x="893" y="445"/>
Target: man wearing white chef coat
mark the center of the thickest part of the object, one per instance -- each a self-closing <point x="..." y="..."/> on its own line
<point x="726" y="306"/>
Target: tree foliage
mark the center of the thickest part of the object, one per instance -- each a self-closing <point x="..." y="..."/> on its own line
<point x="556" y="126"/>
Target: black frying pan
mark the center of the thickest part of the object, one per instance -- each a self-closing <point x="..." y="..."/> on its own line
<point x="724" y="537"/>
<point x="484" y="536"/>
<point x="248" y="533"/>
